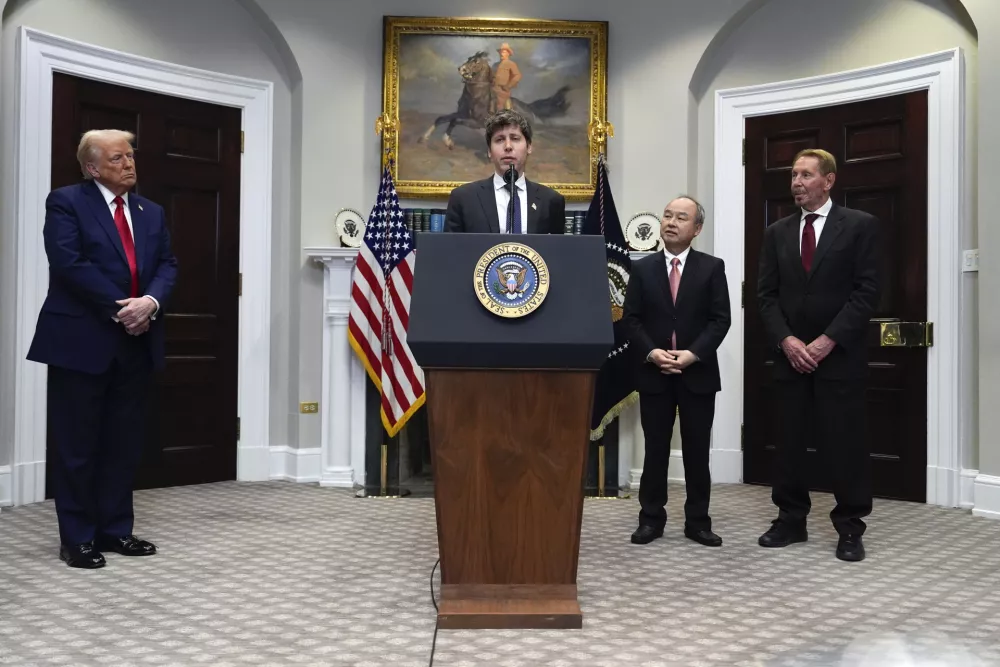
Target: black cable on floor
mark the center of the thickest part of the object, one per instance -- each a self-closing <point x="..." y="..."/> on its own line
<point x="434" y="602"/>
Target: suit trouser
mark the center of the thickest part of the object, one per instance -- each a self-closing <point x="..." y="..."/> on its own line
<point x="97" y="423"/>
<point x="830" y="415"/>
<point x="657" y="411"/>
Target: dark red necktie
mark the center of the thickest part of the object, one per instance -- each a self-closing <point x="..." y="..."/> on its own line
<point x="123" y="231"/>
<point x="808" y="242"/>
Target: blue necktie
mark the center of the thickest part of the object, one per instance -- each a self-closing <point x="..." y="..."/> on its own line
<point x="517" y="212"/>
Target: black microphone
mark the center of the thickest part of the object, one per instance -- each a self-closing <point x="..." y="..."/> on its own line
<point x="510" y="177"/>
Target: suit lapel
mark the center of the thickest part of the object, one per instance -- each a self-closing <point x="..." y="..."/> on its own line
<point x="488" y="199"/>
<point x="831" y="229"/>
<point x="662" y="278"/>
<point x="102" y="212"/>
<point x="793" y="248"/>
<point x="139" y="229"/>
<point x="689" y="273"/>
<point x="531" y="192"/>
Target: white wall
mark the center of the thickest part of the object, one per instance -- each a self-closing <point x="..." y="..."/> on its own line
<point x="986" y="14"/>
<point x="216" y="35"/>
<point x="778" y="43"/>
<point x="663" y="122"/>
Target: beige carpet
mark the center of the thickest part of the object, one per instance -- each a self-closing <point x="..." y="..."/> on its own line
<point x="285" y="574"/>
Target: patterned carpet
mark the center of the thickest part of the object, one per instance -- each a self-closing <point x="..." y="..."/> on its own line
<point x="285" y="574"/>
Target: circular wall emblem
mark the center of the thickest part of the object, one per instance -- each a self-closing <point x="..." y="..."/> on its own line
<point x="511" y="280"/>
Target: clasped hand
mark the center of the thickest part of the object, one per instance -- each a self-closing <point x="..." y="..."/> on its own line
<point x="672" y="362"/>
<point x="135" y="314"/>
<point x="806" y="358"/>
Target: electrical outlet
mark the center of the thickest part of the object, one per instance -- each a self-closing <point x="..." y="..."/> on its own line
<point x="308" y="408"/>
<point x="970" y="260"/>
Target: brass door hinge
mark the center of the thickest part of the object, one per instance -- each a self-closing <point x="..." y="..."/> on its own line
<point x="241" y="284"/>
<point x="744" y="152"/>
<point x="743" y="294"/>
<point x="243" y="136"/>
<point x="237" y="428"/>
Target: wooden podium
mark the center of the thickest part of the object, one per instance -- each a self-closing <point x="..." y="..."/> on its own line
<point x="509" y="404"/>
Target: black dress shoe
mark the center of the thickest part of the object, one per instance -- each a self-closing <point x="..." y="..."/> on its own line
<point x="850" y="548"/>
<point x="646" y="534"/>
<point x="82" y="555"/>
<point x="127" y="545"/>
<point x="706" y="537"/>
<point x="781" y="534"/>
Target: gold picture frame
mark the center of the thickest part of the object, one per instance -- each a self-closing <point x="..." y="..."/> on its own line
<point x="436" y="68"/>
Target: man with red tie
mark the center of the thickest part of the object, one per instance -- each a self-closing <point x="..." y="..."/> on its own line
<point x="677" y="313"/>
<point x="100" y="331"/>
<point x="818" y="286"/>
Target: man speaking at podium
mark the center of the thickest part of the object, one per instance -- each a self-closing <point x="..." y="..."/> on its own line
<point x="484" y="207"/>
<point x="677" y="314"/>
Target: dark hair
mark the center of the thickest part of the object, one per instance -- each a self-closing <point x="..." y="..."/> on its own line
<point x="699" y="216"/>
<point x="506" y="118"/>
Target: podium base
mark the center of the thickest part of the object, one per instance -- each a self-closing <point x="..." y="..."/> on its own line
<point x="509" y="607"/>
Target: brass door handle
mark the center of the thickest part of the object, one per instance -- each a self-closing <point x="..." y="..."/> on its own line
<point x="905" y="334"/>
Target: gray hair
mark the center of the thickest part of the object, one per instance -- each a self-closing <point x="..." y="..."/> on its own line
<point x="699" y="216"/>
<point x="89" y="148"/>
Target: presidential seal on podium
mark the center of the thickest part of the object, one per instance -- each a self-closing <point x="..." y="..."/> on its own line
<point x="511" y="280"/>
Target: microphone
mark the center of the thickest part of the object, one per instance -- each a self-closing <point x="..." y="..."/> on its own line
<point x="510" y="177"/>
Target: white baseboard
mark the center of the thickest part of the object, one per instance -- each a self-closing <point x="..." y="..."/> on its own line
<point x="987" y="495"/>
<point x="675" y="471"/>
<point x="340" y="477"/>
<point x="29" y="481"/>
<point x="967" y="489"/>
<point x="253" y="464"/>
<point x="6" y="486"/>
<point x="295" y="465"/>
<point x="727" y="466"/>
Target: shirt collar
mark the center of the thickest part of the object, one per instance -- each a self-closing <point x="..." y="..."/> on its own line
<point x="109" y="196"/>
<point x="823" y="211"/>
<point x="683" y="256"/>
<point x="499" y="183"/>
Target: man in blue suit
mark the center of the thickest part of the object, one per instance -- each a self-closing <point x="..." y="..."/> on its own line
<point x="100" y="330"/>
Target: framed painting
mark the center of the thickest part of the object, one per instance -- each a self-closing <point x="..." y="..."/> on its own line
<point x="443" y="76"/>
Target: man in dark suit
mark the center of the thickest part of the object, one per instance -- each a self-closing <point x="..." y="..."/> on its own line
<point x="484" y="206"/>
<point x="818" y="287"/>
<point x="677" y="314"/>
<point x="100" y="330"/>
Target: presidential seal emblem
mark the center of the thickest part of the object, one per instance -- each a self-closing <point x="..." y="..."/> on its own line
<point x="511" y="280"/>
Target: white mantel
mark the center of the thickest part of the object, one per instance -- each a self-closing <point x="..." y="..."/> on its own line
<point x="342" y="409"/>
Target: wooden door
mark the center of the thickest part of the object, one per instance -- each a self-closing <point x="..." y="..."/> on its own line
<point x="188" y="161"/>
<point x="881" y="151"/>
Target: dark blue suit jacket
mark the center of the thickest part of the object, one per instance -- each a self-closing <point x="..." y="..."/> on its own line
<point x="88" y="273"/>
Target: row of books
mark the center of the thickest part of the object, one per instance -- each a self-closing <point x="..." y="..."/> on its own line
<point x="432" y="220"/>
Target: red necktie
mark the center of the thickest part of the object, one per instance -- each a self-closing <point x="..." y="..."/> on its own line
<point x="675" y="283"/>
<point x="123" y="231"/>
<point x="808" y="242"/>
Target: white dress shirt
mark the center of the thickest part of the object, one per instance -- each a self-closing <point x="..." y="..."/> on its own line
<point x="670" y="258"/>
<point x="109" y="197"/>
<point x="823" y="211"/>
<point x="502" y="192"/>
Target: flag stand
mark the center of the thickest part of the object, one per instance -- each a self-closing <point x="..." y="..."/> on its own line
<point x="384" y="490"/>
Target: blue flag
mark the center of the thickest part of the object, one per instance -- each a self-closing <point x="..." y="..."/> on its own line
<point x="615" y="388"/>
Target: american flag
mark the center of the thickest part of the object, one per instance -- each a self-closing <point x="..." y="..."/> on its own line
<point x="380" y="309"/>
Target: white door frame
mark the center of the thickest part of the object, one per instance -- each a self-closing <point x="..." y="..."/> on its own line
<point x="40" y="54"/>
<point x="942" y="76"/>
